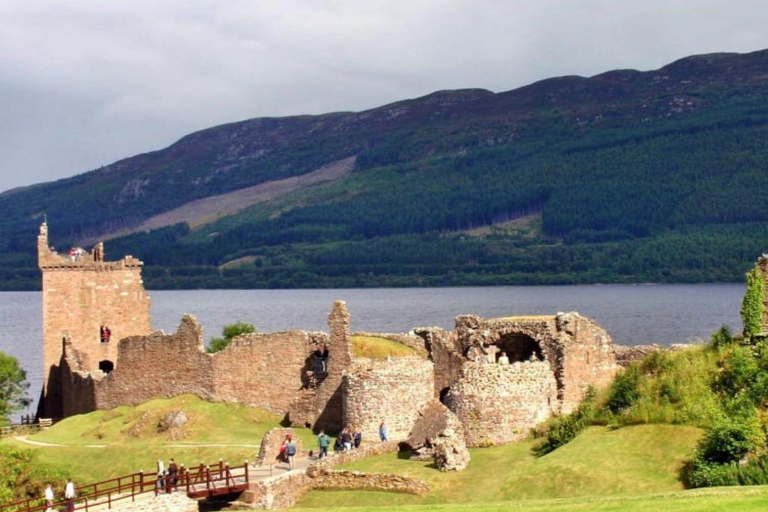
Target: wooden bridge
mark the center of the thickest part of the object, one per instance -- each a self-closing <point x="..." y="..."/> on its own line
<point x="204" y="481"/>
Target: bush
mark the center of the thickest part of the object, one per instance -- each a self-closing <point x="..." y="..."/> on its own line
<point x="624" y="390"/>
<point x="564" y="429"/>
<point x="730" y="440"/>
<point x="229" y="332"/>
<point x="699" y="473"/>
<point x="721" y="338"/>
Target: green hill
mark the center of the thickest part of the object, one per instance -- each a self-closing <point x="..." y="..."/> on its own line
<point x="626" y="176"/>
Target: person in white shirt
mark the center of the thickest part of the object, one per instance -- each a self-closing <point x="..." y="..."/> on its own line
<point x="503" y="359"/>
<point x="69" y="494"/>
<point x="49" y="497"/>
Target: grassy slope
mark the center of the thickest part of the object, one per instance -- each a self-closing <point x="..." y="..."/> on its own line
<point x="729" y="499"/>
<point x="374" y="347"/>
<point x="230" y="424"/>
<point x="629" y="461"/>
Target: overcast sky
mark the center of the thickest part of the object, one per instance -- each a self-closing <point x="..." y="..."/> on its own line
<point x="86" y="82"/>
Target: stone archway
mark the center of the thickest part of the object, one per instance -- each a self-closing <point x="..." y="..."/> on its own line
<point x="519" y="347"/>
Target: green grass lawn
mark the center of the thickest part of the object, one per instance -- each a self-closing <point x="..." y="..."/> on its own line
<point x="375" y="347"/>
<point x="600" y="462"/>
<point x="736" y="499"/>
<point x="133" y="442"/>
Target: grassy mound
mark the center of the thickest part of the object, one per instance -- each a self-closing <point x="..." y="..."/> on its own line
<point x="601" y="462"/>
<point x="105" y="444"/>
<point x="375" y="347"/>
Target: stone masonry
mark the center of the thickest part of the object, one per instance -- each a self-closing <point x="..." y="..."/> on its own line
<point x="392" y="391"/>
<point x="499" y="376"/>
<point x="78" y="298"/>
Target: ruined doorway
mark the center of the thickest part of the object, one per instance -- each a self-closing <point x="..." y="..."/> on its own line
<point x="519" y="347"/>
<point x="106" y="366"/>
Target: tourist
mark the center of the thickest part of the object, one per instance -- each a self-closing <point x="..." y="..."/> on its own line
<point x="383" y="432"/>
<point x="325" y="358"/>
<point x="173" y="471"/>
<point x="69" y="495"/>
<point x="503" y="359"/>
<point x="322" y="442"/>
<point x="290" y="452"/>
<point x="317" y="364"/>
<point x="337" y="446"/>
<point x="48" y="497"/>
<point x="357" y="438"/>
<point x="283" y="456"/>
<point x="346" y="439"/>
<point x="107" y="334"/>
<point x="160" y="474"/>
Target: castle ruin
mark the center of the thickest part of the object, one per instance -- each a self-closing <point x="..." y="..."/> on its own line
<point x="500" y="377"/>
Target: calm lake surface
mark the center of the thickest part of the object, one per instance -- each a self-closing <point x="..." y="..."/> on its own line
<point x="632" y="314"/>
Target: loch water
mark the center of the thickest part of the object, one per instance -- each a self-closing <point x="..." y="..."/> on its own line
<point x="632" y="314"/>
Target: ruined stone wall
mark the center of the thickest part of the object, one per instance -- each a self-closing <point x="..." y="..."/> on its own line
<point x="762" y="264"/>
<point x="588" y="359"/>
<point x="78" y="298"/>
<point x="446" y="354"/>
<point x="273" y="441"/>
<point x="501" y="403"/>
<point x="393" y="391"/>
<point x="319" y="404"/>
<point x="262" y="370"/>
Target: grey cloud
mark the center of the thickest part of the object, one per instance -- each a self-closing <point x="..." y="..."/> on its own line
<point x="84" y="83"/>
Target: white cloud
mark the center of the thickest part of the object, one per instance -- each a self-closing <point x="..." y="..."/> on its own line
<point x="86" y="82"/>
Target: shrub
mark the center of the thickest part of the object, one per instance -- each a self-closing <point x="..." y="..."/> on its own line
<point x="624" y="390"/>
<point x="721" y="338"/>
<point x="229" y="332"/>
<point x="730" y="440"/>
<point x="563" y="429"/>
<point x="700" y="473"/>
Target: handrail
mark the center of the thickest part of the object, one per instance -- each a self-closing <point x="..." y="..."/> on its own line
<point x="130" y="486"/>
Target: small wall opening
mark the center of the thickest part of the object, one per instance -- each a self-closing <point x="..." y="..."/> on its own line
<point x="106" y="366"/>
<point x="519" y="347"/>
<point x="443" y="395"/>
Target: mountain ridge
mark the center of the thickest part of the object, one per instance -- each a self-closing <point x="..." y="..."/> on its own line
<point x="582" y="150"/>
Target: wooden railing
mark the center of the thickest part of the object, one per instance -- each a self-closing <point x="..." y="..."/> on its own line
<point x="203" y="481"/>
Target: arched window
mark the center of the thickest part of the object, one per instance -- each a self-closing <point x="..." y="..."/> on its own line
<point x="106" y="366"/>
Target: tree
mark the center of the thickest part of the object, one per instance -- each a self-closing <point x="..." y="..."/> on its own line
<point x="752" y="305"/>
<point x="229" y="332"/>
<point x="13" y="386"/>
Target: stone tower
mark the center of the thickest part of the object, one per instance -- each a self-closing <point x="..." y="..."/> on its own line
<point x="82" y="293"/>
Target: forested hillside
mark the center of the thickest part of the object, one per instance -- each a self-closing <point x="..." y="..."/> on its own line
<point x="623" y="177"/>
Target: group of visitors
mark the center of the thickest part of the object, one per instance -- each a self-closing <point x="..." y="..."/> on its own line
<point x="105" y="334"/>
<point x="347" y="440"/>
<point x="486" y="354"/>
<point x="168" y="478"/>
<point x="320" y="358"/>
<point x="69" y="496"/>
<point x="75" y="253"/>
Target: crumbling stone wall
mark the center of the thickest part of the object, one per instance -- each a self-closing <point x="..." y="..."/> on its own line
<point x="446" y="355"/>
<point x="320" y="404"/>
<point x="578" y="351"/>
<point x="393" y="391"/>
<point x="501" y="403"/>
<point x="762" y="264"/>
<point x="79" y="297"/>
<point x="262" y="370"/>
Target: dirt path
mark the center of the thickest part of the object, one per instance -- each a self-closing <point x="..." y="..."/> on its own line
<point x="23" y="439"/>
